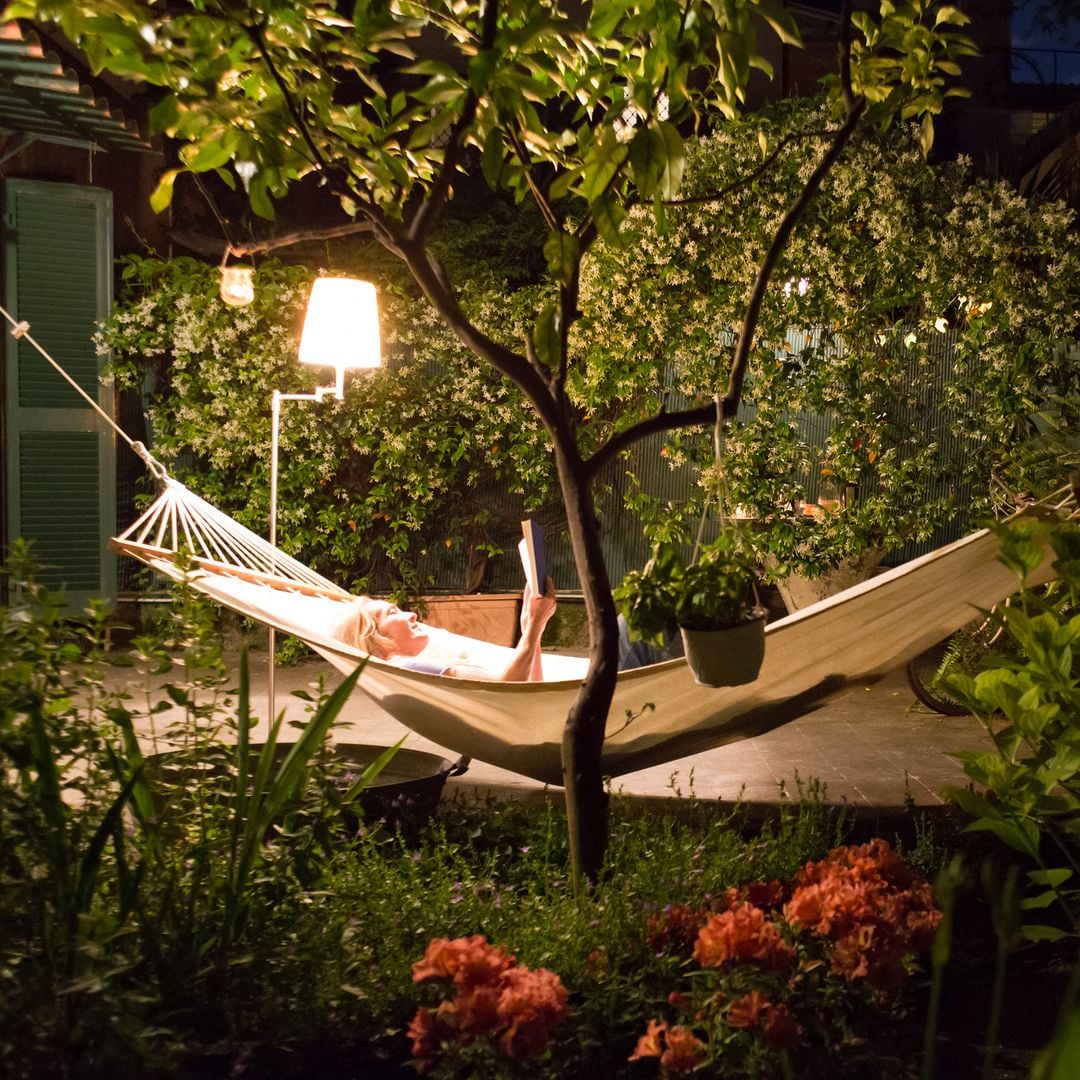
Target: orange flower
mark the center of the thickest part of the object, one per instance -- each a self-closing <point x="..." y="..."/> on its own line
<point x="494" y="999"/>
<point x="675" y="929"/>
<point x="475" y="1009"/>
<point x="780" y="1031"/>
<point x="872" y="905"/>
<point x="650" y="1044"/>
<point x="532" y="1004"/>
<point x="684" y="1050"/>
<point x="742" y="933"/>
<point x="746" y="1012"/>
<point x="468" y="961"/>
<point x="426" y="1034"/>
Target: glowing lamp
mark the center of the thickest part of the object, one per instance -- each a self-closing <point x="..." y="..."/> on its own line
<point x="237" y="287"/>
<point x="341" y="327"/>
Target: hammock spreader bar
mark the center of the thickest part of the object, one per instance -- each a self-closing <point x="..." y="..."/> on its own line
<point x="658" y="713"/>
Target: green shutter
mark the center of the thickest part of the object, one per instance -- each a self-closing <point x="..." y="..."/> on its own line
<point x="60" y="456"/>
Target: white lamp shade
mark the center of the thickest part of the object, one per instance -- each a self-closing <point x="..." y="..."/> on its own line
<point x="341" y="327"/>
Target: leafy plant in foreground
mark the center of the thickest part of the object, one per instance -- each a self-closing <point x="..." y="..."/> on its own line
<point x="1029" y="702"/>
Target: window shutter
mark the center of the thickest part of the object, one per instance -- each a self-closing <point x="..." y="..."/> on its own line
<point x="60" y="456"/>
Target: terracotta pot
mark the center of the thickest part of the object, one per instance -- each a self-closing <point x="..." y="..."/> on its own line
<point x="800" y="592"/>
<point x="728" y="657"/>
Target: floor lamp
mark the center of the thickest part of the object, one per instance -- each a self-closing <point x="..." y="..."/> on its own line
<point x="341" y="330"/>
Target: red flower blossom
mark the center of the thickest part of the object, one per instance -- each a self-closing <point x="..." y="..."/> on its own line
<point x="675" y="929"/>
<point x="768" y="895"/>
<point x="779" y="1029"/>
<point x="872" y="905"/>
<point x="684" y="1050"/>
<point x="651" y="1043"/>
<point x="468" y="961"/>
<point x="426" y="1033"/>
<point x="475" y="1009"/>
<point x="678" y="1048"/>
<point x="742" y="933"/>
<point x="746" y="1012"/>
<point x="531" y="1006"/>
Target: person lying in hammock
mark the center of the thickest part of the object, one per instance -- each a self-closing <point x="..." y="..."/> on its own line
<point x="383" y="630"/>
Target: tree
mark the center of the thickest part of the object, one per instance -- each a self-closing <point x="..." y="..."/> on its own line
<point x="919" y="314"/>
<point x="390" y="101"/>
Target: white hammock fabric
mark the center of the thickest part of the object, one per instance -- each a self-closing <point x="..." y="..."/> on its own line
<point x="659" y="713"/>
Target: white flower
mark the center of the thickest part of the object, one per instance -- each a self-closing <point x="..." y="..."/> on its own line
<point x="940" y="325"/>
<point x="909" y="339"/>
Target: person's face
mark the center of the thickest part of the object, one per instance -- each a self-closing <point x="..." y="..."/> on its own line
<point x="407" y="635"/>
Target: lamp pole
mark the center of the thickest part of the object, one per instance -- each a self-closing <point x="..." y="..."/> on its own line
<point x="341" y="330"/>
<point x="275" y="427"/>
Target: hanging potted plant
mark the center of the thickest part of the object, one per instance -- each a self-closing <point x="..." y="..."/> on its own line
<point x="711" y="602"/>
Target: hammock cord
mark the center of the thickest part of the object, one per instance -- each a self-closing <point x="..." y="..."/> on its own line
<point x="21" y="331"/>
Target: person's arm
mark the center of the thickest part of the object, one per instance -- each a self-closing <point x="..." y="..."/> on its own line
<point x="526" y="663"/>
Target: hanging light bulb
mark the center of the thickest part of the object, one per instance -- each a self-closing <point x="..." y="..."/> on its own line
<point x="237" y="287"/>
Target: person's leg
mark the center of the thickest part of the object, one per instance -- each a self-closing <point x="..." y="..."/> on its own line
<point x="636" y="654"/>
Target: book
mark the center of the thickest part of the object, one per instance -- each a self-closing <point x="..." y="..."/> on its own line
<point x="533" y="558"/>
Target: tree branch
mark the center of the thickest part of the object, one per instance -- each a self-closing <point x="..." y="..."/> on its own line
<point x="288" y="239"/>
<point x="513" y="365"/>
<point x="317" y="158"/>
<point x="431" y="208"/>
<point x="741" y="358"/>
<point x="662" y="421"/>
<point x="749" y="178"/>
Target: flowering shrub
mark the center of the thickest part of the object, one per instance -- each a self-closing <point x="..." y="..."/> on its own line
<point x="499" y="1008"/>
<point x="776" y="967"/>
<point x="916" y="321"/>
<point x="421" y="462"/>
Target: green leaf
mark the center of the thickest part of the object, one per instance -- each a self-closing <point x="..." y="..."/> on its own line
<point x="779" y="18"/>
<point x="1036" y="932"/>
<point x="648" y="153"/>
<point x="259" y="198"/>
<point x="948" y="14"/>
<point x="674" y="160"/>
<point x="1019" y="833"/>
<point x="562" y="252"/>
<point x="1053" y="878"/>
<point x="162" y="195"/>
<point x="601" y="166"/>
<point x="545" y="337"/>
<point x="218" y="151"/>
<point x="926" y="134"/>
<point x="609" y="216"/>
<point x="491" y="160"/>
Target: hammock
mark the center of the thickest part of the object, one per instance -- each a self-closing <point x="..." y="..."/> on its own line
<point x="659" y="713"/>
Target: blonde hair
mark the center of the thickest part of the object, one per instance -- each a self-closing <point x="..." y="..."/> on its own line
<point x="360" y="630"/>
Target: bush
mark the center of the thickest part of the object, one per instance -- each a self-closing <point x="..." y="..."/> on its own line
<point x="919" y="322"/>
<point x="432" y="454"/>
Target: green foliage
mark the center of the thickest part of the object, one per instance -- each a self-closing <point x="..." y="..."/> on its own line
<point x="418" y="456"/>
<point x="130" y="890"/>
<point x="580" y="114"/>
<point x="712" y="593"/>
<point x="922" y="317"/>
<point x="1029" y="702"/>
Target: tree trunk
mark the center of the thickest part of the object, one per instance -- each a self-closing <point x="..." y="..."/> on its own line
<point x="583" y="736"/>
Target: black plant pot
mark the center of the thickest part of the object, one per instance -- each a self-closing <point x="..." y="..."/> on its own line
<point x="731" y="656"/>
<point x="405" y="793"/>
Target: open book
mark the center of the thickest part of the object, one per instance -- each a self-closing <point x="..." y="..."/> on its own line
<point x="533" y="559"/>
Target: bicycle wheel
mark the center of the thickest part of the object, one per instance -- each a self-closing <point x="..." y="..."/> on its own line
<point x="924" y="675"/>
